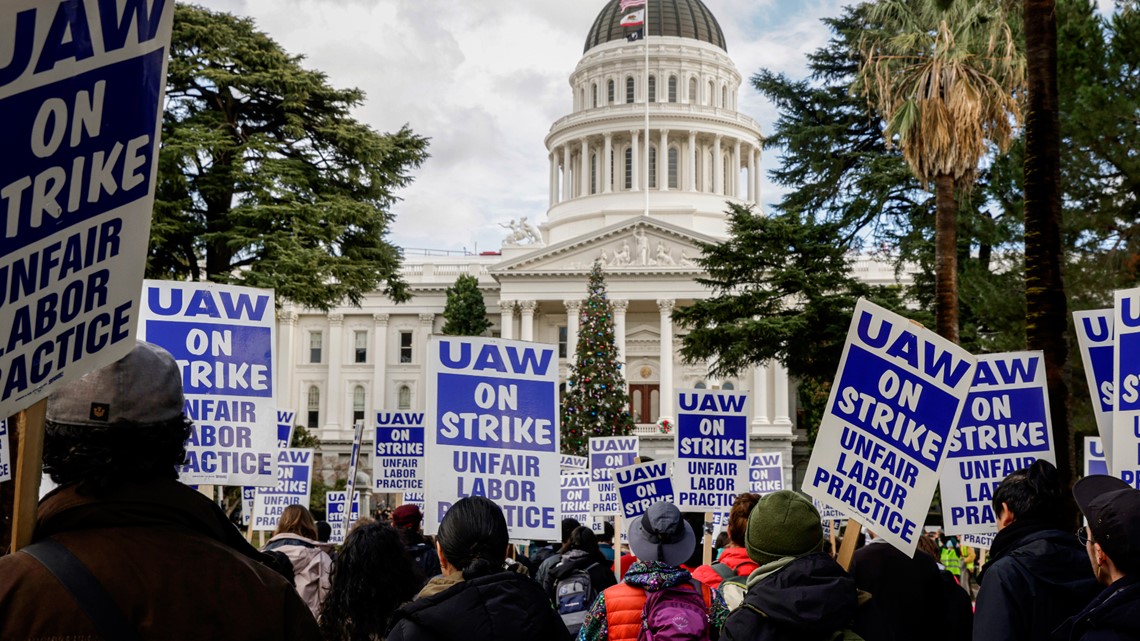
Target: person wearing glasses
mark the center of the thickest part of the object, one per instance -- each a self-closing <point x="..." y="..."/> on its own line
<point x="1038" y="573"/>
<point x="1112" y="540"/>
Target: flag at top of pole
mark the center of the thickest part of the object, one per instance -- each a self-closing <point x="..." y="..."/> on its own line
<point x="626" y="4"/>
<point x="633" y="19"/>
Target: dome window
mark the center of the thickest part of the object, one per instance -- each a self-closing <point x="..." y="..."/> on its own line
<point x="692" y="98"/>
<point x="610" y="92"/>
<point x="673" y="183"/>
<point x="672" y="88"/>
<point x="652" y="88"/>
<point x="629" y="89"/>
<point x="594" y="94"/>
<point x="653" y="167"/>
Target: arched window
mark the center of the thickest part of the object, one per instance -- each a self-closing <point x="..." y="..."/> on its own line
<point x="693" y="91"/>
<point x="699" y="385"/>
<point x="629" y="89"/>
<point x="594" y="94"/>
<point x="724" y="97"/>
<point x="404" y="398"/>
<point x="674" y="155"/>
<point x="629" y="168"/>
<point x="672" y="88"/>
<point x="653" y="167"/>
<point x="357" y="404"/>
<point x="728" y="386"/>
<point x="652" y="88"/>
<point x="610" y="92"/>
<point x="711" y="95"/>
<point x="593" y="173"/>
<point x="314" y="418"/>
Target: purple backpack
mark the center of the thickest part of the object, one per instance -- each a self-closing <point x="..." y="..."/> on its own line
<point x="675" y="614"/>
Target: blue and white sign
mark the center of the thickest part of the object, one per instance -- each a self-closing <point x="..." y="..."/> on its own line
<point x="1095" y="461"/>
<point x="285" y="428"/>
<point x="294" y="487"/>
<point x="766" y="472"/>
<point x="711" y="449"/>
<point x="248" y="492"/>
<point x="1096" y="340"/>
<point x="886" y="430"/>
<point x="1004" y="428"/>
<point x="640" y="486"/>
<point x="5" y="456"/>
<point x="334" y="514"/>
<point x="1124" y="449"/>
<point x="223" y="338"/>
<point x="81" y="95"/>
<point x="492" y="430"/>
<point x="576" y="496"/>
<point x="608" y="453"/>
<point x="415" y="498"/>
<point x="980" y="541"/>
<point x="398" y="456"/>
<point x="829" y="516"/>
<point x="577" y="463"/>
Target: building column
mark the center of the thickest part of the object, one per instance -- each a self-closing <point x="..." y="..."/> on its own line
<point x="736" y="169"/>
<point x="584" y="183"/>
<point x="663" y="162"/>
<point x="691" y="174"/>
<point x="665" y="305"/>
<point x="567" y="184"/>
<point x="526" y="319"/>
<point x="756" y="179"/>
<point x="573" y="310"/>
<point x="752" y="175"/>
<point x="760" y="396"/>
<point x="287" y="347"/>
<point x="507" y="310"/>
<point x="553" y="179"/>
<point x="379" y="363"/>
<point x="635" y="165"/>
<point x="718" y="168"/>
<point x="780" y="391"/>
<point x="336" y="395"/>
<point x="608" y="164"/>
<point x="619" y="332"/>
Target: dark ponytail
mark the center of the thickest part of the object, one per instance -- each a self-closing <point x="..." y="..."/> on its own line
<point x="473" y="537"/>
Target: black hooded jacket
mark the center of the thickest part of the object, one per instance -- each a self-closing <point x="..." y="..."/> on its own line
<point x="1112" y="616"/>
<point x="505" y="606"/>
<point x="1038" y="577"/>
<point x="810" y="598"/>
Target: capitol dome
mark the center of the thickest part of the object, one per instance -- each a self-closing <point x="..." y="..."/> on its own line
<point x="678" y="18"/>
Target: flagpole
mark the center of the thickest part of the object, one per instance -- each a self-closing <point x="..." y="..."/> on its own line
<point x="647" y="166"/>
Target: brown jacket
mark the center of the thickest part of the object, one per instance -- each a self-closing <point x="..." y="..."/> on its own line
<point x="168" y="557"/>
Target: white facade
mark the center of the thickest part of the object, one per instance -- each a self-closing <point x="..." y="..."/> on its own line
<point x="344" y="365"/>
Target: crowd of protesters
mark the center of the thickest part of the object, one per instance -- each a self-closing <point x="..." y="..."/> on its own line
<point x="122" y="550"/>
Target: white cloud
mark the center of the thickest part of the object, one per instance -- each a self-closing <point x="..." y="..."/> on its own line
<point x="485" y="80"/>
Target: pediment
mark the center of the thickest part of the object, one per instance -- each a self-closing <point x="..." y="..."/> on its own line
<point x="641" y="245"/>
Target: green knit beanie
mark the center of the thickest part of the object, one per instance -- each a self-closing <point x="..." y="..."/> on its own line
<point x="783" y="524"/>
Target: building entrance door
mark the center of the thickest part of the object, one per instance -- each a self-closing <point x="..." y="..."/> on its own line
<point x="645" y="402"/>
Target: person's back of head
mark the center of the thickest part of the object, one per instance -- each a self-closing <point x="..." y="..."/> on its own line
<point x="1030" y="494"/>
<point x="123" y="423"/>
<point x="662" y="535"/>
<point x="324" y="531"/>
<point x="607" y="535"/>
<point x="371" y="577"/>
<point x="738" y="517"/>
<point x="582" y="538"/>
<point x="296" y="519"/>
<point x="568" y="527"/>
<point x="783" y="524"/>
<point x="473" y="537"/>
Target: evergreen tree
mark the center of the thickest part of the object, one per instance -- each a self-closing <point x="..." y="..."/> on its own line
<point x="466" y="313"/>
<point x="596" y="402"/>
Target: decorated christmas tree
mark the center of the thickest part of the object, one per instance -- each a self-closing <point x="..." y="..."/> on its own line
<point x="596" y="402"/>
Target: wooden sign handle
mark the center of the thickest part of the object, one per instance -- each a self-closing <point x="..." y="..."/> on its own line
<point x="29" y="424"/>
<point x="850" y="540"/>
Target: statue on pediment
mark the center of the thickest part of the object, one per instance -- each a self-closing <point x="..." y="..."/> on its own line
<point x="664" y="256"/>
<point x="622" y="255"/>
<point x="685" y="261"/>
<point x="522" y="233"/>
<point x="642" y="247"/>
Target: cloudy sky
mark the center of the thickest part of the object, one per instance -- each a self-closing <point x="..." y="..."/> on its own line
<point x="485" y="79"/>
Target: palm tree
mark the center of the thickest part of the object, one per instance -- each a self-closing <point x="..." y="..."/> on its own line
<point x="946" y="82"/>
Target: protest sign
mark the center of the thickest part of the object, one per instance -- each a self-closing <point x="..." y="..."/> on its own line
<point x="1095" y="461"/>
<point x="576" y="496"/>
<point x="980" y="541"/>
<point x="414" y="498"/>
<point x="223" y="338"/>
<point x="571" y="462"/>
<point x="719" y="523"/>
<point x="294" y="485"/>
<point x="1096" y="341"/>
<point x="284" y="429"/>
<point x="248" y="493"/>
<point x="5" y="457"/>
<point x="398" y="456"/>
<point x="711" y="449"/>
<point x="640" y="486"/>
<point x="1005" y="427"/>
<point x="766" y="472"/>
<point x="81" y="95"/>
<point x="884" y="435"/>
<point x="492" y="431"/>
<point x="1124" y="448"/>
<point x="608" y="453"/>
<point x="334" y="514"/>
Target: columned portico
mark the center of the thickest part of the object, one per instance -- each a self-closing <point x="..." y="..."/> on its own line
<point x="619" y="333"/>
<point x="573" y="309"/>
<point x="665" y="306"/>
<point x="507" y="316"/>
<point x="635" y="160"/>
<point x="526" y="319"/>
<point x="380" y="359"/>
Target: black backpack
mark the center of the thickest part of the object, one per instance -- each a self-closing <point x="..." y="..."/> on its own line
<point x="574" y="593"/>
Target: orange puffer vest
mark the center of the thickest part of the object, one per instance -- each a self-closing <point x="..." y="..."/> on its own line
<point x="624" y="605"/>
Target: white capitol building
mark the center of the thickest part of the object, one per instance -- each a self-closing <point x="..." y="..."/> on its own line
<point x="341" y="366"/>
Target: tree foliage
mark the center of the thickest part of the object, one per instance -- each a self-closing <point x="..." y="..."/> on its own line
<point x="596" y="402"/>
<point x="265" y="178"/>
<point x="466" y="312"/>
